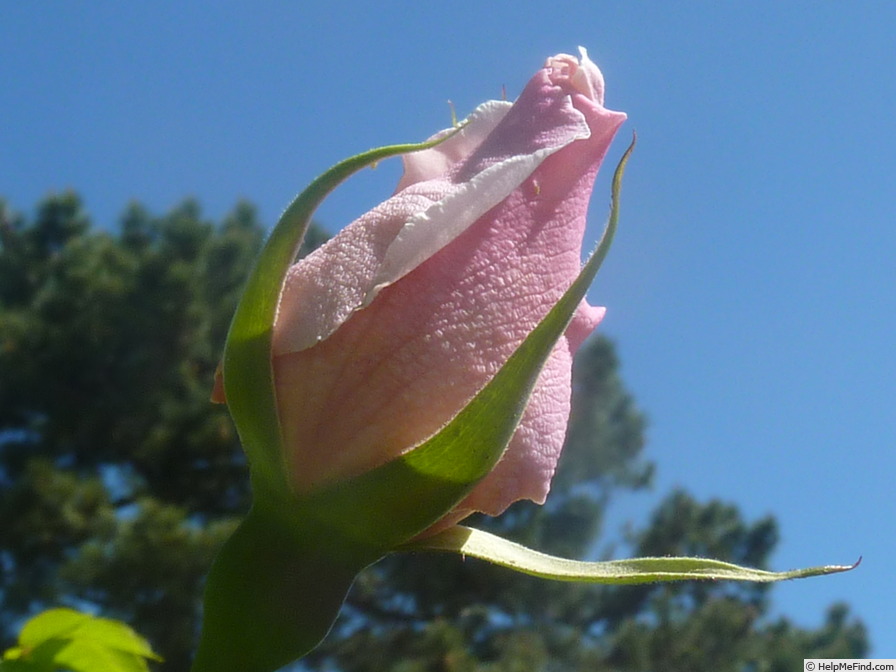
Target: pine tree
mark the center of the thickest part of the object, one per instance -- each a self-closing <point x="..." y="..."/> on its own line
<point x="426" y="613"/>
<point x="118" y="478"/>
<point x="119" y="481"/>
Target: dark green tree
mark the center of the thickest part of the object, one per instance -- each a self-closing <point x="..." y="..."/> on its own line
<point x="119" y="480"/>
<point x="429" y="613"/>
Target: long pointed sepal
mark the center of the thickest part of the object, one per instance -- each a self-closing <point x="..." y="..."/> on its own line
<point x="474" y="543"/>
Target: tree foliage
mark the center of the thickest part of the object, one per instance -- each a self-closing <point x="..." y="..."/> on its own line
<point x="119" y="481"/>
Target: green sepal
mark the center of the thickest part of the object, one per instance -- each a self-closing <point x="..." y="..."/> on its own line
<point x="393" y="503"/>
<point x="247" y="372"/>
<point x="474" y="543"/>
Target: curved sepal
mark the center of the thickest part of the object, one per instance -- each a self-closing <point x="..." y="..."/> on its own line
<point x="247" y="374"/>
<point x="486" y="546"/>
<point x="395" y="502"/>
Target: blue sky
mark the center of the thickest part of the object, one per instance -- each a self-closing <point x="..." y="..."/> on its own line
<point x="751" y="287"/>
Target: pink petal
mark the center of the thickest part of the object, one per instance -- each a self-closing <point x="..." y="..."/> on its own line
<point x="386" y="332"/>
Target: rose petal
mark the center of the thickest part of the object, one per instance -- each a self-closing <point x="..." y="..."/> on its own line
<point x="387" y="331"/>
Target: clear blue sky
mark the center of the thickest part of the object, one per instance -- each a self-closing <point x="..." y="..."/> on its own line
<point x="751" y="288"/>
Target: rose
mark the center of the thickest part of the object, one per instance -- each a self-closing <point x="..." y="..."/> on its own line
<point x="417" y="368"/>
<point x="387" y="331"/>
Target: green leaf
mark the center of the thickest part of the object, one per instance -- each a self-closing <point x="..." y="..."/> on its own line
<point x="499" y="551"/>
<point x="14" y="665"/>
<point x="69" y="639"/>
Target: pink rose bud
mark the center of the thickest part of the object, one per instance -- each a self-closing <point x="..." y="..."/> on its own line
<point x="387" y="331"/>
